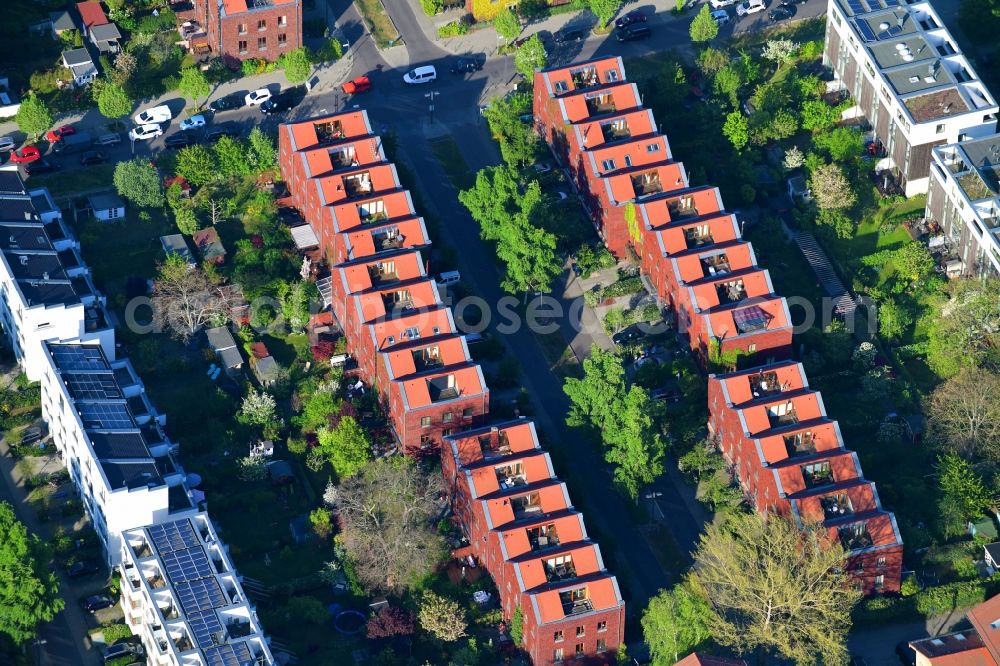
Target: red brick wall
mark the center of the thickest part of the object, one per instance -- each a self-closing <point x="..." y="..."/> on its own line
<point x="541" y="644"/>
<point x="224" y="32"/>
<point x="870" y="569"/>
<point x="408" y="427"/>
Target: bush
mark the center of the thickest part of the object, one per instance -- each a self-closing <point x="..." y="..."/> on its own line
<point x="431" y="7"/>
<point x="453" y="29"/>
<point x="623" y="288"/>
<point x="115" y="632"/>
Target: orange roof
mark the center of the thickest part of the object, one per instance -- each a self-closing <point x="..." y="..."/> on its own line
<point x="723" y="324"/>
<point x="91" y="13"/>
<point x="505" y="438"/>
<point x="746" y="385"/>
<point x="420" y="294"/>
<point x="602" y="593"/>
<point x="592" y="133"/>
<point x="347" y="215"/>
<point x="237" y="6"/>
<point x="986" y="619"/>
<point x="673" y="238"/>
<point x="328" y="130"/>
<point x="630" y="155"/>
<point x="400" y="328"/>
<point x="695" y="202"/>
<point x="614" y="97"/>
<point x="807" y="406"/>
<point x="401" y="362"/>
<point x="560" y="80"/>
<point x="861" y="496"/>
<point x="350" y="152"/>
<point x="585" y="557"/>
<point x="568" y="528"/>
<point x="881" y="528"/>
<point x="365" y="181"/>
<point x="356" y="276"/>
<point x="705" y="294"/>
<point x="638" y="182"/>
<point x="696" y="659"/>
<point x="410" y="233"/>
<point x="825" y="434"/>
<point x="714" y="260"/>
<point x="552" y="496"/>
<point x="534" y="465"/>
<point x="468" y="380"/>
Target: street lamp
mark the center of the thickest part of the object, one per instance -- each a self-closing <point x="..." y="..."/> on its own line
<point x="431" y="95"/>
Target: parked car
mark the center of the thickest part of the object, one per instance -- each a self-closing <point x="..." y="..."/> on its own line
<point x="215" y="132"/>
<point x="466" y="66"/>
<point x="721" y="4"/>
<point x="108" y="139"/>
<point x="632" y="33"/>
<point x="194" y="122"/>
<point x="629" y="334"/>
<point x="98" y="602"/>
<point x="227" y="103"/>
<point x="276" y="104"/>
<point x="179" y="140"/>
<point x="258" y="97"/>
<point x="907" y="655"/>
<point x="156" y="114"/>
<point x="7" y="143"/>
<point x="145" y="132"/>
<point x="750" y="7"/>
<point x="568" y="36"/>
<point x="123" y="649"/>
<point x="781" y="13"/>
<point x="423" y="74"/>
<point x="38" y="167"/>
<point x="83" y="568"/>
<point x="541" y="167"/>
<point x="721" y="17"/>
<point x="54" y="135"/>
<point x="73" y="143"/>
<point x="358" y="85"/>
<point x="92" y="157"/>
<point x="25" y="155"/>
<point x="630" y="18"/>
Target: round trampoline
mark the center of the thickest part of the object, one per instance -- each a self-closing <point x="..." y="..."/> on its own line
<point x="350" y="622"/>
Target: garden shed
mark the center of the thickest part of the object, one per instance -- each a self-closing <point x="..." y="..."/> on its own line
<point x="107" y="207"/>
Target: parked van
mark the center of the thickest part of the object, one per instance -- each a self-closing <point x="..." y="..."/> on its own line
<point x="721" y="16"/>
<point x="155" y="115"/>
<point x="424" y="74"/>
<point x="448" y="278"/>
<point x="108" y="139"/>
<point x="73" y="143"/>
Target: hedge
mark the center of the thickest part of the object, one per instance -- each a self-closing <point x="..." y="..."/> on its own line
<point x="623" y="287"/>
<point x="115" y="632"/>
<point x="926" y="603"/>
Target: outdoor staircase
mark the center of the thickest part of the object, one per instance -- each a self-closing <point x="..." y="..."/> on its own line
<point x="843" y="304"/>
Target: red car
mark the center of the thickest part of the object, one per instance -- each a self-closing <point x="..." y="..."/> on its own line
<point x="56" y="134"/>
<point x="358" y="85"/>
<point x="25" y="155"/>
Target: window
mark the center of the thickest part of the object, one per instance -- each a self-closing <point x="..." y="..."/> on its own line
<point x="467" y="413"/>
<point x="612" y="75"/>
<point x="880" y="562"/>
<point x="628" y="160"/>
<point x="653" y="148"/>
<point x="751" y="348"/>
<point x="602" y="645"/>
<point x="446" y="432"/>
<point x="557" y="636"/>
<point x="262" y="43"/>
<point x="426" y="441"/>
<point x="282" y="39"/>
<point x="446" y="417"/>
<point x="242" y="29"/>
<point x="879" y="582"/>
<point x="425" y="421"/>
<point x="939" y="129"/>
<point x="557" y="655"/>
<point x="261" y="25"/>
<point x="560" y="87"/>
<point x="581" y="631"/>
<point x="602" y="625"/>
<point x="579" y="650"/>
<point x="608" y="165"/>
<point x="282" y="21"/>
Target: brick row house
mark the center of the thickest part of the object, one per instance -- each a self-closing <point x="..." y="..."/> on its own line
<point x="787" y="455"/>
<point x="237" y="30"/>
<point x="402" y="336"/>
<point x="523" y="528"/>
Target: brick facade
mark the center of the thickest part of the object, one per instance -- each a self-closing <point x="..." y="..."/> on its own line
<point x="238" y="30"/>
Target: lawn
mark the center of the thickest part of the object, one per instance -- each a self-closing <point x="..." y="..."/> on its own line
<point x="116" y="251"/>
<point x="379" y="23"/>
<point x="450" y="156"/>
<point x="86" y="180"/>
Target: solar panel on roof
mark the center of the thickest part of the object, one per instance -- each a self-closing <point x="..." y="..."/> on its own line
<point x="187" y="565"/>
<point x="92" y="386"/>
<point x="856" y="6"/>
<point x="105" y="415"/>
<point x="230" y="654"/>
<point x="79" y="357"/>
<point x="200" y="595"/>
<point x="168" y="537"/>
<point x="204" y="626"/>
<point x="866" y="31"/>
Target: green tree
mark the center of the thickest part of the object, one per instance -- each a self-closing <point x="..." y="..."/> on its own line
<point x="963" y="414"/>
<point x="675" y="623"/>
<point x="113" y="102"/>
<point x="296" y="299"/>
<point x="830" y="188"/>
<point x="712" y="60"/>
<point x="33" y="117"/>
<point x="517" y="627"/>
<point x="493" y="199"/>
<point x="507" y="24"/>
<point x="893" y="319"/>
<point x="817" y="115"/>
<point x="29" y="590"/>
<point x="263" y="154"/>
<point x="842" y="144"/>
<point x="963" y="494"/>
<point x="231" y="157"/>
<point x="966" y="331"/>
<point x="296" y="65"/>
<point x="604" y="10"/>
<point x="737" y="129"/>
<point x="194" y="84"/>
<point x="196" y="165"/>
<point x="727" y="84"/>
<point x="518" y="141"/>
<point x="186" y="220"/>
<point x="703" y="27"/>
<point x="346" y="446"/>
<point x="138" y="181"/>
<point x="776" y="587"/>
<point x="530" y="57"/>
<point x="317" y="409"/>
<point x="441" y="617"/>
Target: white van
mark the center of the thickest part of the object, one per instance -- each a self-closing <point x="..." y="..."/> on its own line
<point x="750" y="7"/>
<point x="447" y="278"/>
<point x="424" y="74"/>
<point x="153" y="116"/>
<point x="719" y="4"/>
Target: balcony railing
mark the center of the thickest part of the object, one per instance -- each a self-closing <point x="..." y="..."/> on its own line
<point x="526" y="505"/>
<point x="342" y="159"/>
<point x="491" y="449"/>
<point x="815" y="476"/>
<point x="731" y="292"/>
<point x="358" y="185"/>
<point x="425" y="359"/>
<point x="585" y="78"/>
<point x="776" y="419"/>
<point x="387" y="241"/>
<point x="543" y="537"/>
<point x="439" y="391"/>
<point x="573" y="605"/>
<point x="696" y="238"/>
<point x="601" y="104"/>
<point x="855" y="537"/>
<point x="510" y="480"/>
<point x="836" y="506"/>
<point x="765" y="383"/>
<point x="682" y="208"/>
<point x="615" y="131"/>
<point x="329" y="131"/>
<point x="646" y="183"/>
<point x="558" y="572"/>
<point x="801" y="444"/>
<point x="382" y="276"/>
<point x="715" y="265"/>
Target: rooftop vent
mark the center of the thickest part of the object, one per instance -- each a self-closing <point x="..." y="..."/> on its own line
<point x="24" y="260"/>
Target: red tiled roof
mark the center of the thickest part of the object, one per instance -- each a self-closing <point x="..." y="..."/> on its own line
<point x="986" y="619"/>
<point x="91" y="13"/>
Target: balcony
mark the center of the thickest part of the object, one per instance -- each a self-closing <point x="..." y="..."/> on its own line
<point x="751" y="319"/>
<point x="682" y="208"/>
<point x="329" y="131"/>
<point x="238" y="629"/>
<point x="765" y="383"/>
<point x="427" y="358"/>
<point x="509" y="476"/>
<point x="156" y="581"/>
<point x="855" y="537"/>
<point x="817" y="475"/>
<point x="800" y="444"/>
<point x="644" y="184"/>
<point x="698" y="236"/>
<point x="372" y="212"/>
<point x="615" y="130"/>
<point x="390" y="239"/>
<point x="442" y="388"/>
<point x="358" y="185"/>
<point x="343" y="159"/>
<point x="383" y="273"/>
<point x="715" y="265"/>
<point x="575" y="601"/>
<point x="494" y="449"/>
<point x="731" y="292"/>
<point x="182" y="643"/>
<point x="526" y="505"/>
<point x="780" y="415"/>
<point x="601" y="104"/>
<point x="836" y="506"/>
<point x="542" y="537"/>
<point x="559" y="568"/>
<point x="397" y="299"/>
<point x="585" y="77"/>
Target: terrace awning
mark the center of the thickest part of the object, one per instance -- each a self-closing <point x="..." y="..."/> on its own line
<point x="753" y="318"/>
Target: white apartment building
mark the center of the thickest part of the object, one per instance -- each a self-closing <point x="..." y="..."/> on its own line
<point x="182" y="596"/>
<point x="964" y="199"/>
<point x="45" y="288"/>
<point x="112" y="442"/>
<point x="909" y="80"/>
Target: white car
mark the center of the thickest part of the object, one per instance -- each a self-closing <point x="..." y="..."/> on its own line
<point x="194" y="122"/>
<point x="424" y="74"/>
<point x="145" y="132"/>
<point x="157" y="114"/>
<point x="750" y="7"/>
<point x="258" y="97"/>
<point x="720" y="4"/>
<point x="6" y="143"/>
<point x="721" y="16"/>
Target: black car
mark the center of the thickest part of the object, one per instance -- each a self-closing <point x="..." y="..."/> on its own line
<point x="92" y="157"/>
<point x="41" y="166"/>
<point x="630" y="334"/>
<point x="227" y="103"/>
<point x="123" y="649"/>
<point x="630" y="18"/>
<point x="216" y="132"/>
<point x="179" y="140"/>
<point x="276" y="105"/>
<point x="98" y="602"/>
<point x="466" y="66"/>
<point x="632" y="33"/>
<point x="83" y="568"/>
<point x="781" y="13"/>
<point x="906" y="654"/>
<point x="567" y="36"/>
